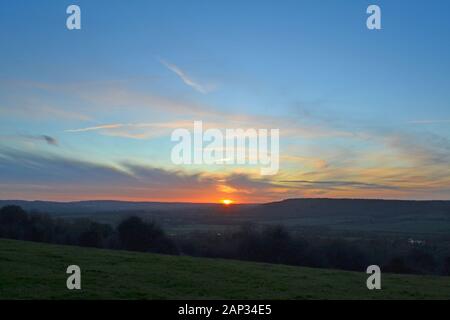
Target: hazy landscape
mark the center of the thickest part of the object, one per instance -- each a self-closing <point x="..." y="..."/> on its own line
<point x="318" y="238"/>
<point x="395" y="217"/>
<point x="194" y="149"/>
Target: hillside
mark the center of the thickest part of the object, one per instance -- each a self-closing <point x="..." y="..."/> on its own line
<point x="37" y="271"/>
<point x="406" y="218"/>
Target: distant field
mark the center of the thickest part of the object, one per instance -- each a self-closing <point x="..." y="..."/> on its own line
<point x="37" y="271"/>
<point x="417" y="219"/>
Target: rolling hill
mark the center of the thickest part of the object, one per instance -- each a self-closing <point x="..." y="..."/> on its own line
<point x="403" y="217"/>
<point x="37" y="271"/>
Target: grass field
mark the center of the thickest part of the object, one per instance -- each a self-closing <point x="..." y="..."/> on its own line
<point x="37" y="271"/>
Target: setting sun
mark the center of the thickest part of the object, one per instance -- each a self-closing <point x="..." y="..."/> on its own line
<point x="227" y="202"/>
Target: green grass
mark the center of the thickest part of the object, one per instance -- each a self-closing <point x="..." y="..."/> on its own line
<point x="37" y="271"/>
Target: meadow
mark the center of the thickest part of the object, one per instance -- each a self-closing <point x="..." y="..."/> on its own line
<point x="31" y="270"/>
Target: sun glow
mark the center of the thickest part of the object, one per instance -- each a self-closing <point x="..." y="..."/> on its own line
<point x="227" y="202"/>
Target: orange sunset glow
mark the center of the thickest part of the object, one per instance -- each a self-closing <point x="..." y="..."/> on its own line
<point x="227" y="202"/>
<point x="109" y="134"/>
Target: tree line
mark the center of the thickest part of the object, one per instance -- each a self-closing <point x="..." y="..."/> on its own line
<point x="271" y="243"/>
<point x="132" y="233"/>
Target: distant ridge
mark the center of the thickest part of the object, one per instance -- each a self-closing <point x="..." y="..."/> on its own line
<point x="91" y="206"/>
<point x="369" y="207"/>
<point x="287" y="207"/>
<point x="390" y="216"/>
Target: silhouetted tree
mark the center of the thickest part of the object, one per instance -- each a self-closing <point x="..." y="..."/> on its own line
<point x="277" y="244"/>
<point x="249" y="243"/>
<point x="397" y="265"/>
<point x="41" y="228"/>
<point x="137" y="235"/>
<point x="13" y="222"/>
<point x="344" y="255"/>
<point x="422" y="262"/>
<point x="95" y="236"/>
<point x="13" y="215"/>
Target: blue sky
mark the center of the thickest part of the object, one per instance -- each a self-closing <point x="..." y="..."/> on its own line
<point x="355" y="107"/>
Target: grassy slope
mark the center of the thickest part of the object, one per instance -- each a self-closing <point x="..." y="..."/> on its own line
<point x="33" y="270"/>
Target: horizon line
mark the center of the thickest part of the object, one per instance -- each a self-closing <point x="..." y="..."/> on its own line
<point x="218" y="203"/>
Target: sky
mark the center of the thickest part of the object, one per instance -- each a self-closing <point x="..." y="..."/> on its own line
<point x="88" y="114"/>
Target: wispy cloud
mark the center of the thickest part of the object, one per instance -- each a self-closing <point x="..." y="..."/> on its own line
<point x="105" y="126"/>
<point x="49" y="140"/>
<point x="63" y="178"/>
<point x="332" y="184"/>
<point x="185" y="77"/>
<point x="114" y="98"/>
<point x="46" y="138"/>
<point x="134" y="130"/>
